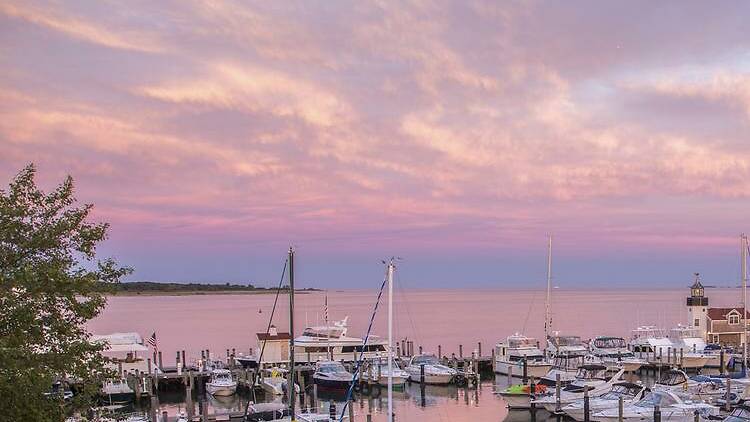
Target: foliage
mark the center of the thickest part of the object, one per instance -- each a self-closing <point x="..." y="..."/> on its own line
<point x="50" y="282"/>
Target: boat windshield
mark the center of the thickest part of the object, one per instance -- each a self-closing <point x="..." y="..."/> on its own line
<point x="673" y="378"/>
<point x="566" y="341"/>
<point x="609" y="342"/>
<point x="656" y="398"/>
<point x="739" y="414"/>
<point x="323" y="332"/>
<point x="591" y="372"/>
<point x="622" y="390"/>
<point x="222" y="376"/>
<point x="685" y="332"/>
<point x="425" y="360"/>
<point x="331" y="367"/>
<point x="520" y="342"/>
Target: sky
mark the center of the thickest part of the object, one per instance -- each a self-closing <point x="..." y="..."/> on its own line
<point x="213" y="135"/>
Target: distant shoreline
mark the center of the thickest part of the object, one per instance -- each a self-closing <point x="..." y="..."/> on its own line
<point x="150" y="288"/>
<point x="200" y="292"/>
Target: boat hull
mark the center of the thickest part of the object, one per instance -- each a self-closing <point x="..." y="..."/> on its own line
<point x="536" y="370"/>
<point x="118" y="398"/>
<point x="516" y="400"/>
<point x="332" y="384"/>
<point x="221" y="390"/>
<point x="435" y="379"/>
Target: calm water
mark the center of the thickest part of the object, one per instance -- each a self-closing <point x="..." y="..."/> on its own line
<point x="429" y="318"/>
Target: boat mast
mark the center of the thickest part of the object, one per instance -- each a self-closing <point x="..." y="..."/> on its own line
<point x="391" y="268"/>
<point x="547" y="313"/>
<point x="743" y="270"/>
<point x="290" y="389"/>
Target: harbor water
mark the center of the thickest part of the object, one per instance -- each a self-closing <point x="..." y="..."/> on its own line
<point x="445" y="318"/>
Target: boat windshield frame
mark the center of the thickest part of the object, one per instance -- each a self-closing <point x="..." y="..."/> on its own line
<point x="610" y="343"/>
<point x="425" y="360"/>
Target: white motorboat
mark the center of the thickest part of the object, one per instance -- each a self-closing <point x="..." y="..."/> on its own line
<point x="673" y="407"/>
<point x="655" y="343"/>
<point x="331" y="342"/>
<point x="613" y="351"/>
<point x="117" y="390"/>
<point x="517" y="352"/>
<point x="221" y="383"/>
<point x="434" y="371"/>
<point x="702" y="387"/>
<point x="274" y="381"/>
<point x="125" y="352"/>
<point x="331" y="374"/>
<point x="689" y="341"/>
<point x="739" y="414"/>
<point x="629" y="392"/>
<point x="377" y="373"/>
<point x="595" y="384"/>
<point x="567" y="354"/>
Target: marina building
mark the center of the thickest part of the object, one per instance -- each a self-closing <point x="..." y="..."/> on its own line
<point x="716" y="325"/>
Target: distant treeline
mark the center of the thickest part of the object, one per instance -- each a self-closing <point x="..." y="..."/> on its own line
<point x="152" y="286"/>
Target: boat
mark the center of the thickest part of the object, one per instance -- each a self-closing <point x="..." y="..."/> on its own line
<point x="702" y="387"/>
<point x="517" y="352"/>
<point x="629" y="392"/>
<point x="692" y="345"/>
<point x="332" y="342"/>
<point x="434" y="371"/>
<point x="332" y="374"/>
<point x="594" y="383"/>
<point x="376" y="372"/>
<point x="519" y="396"/>
<point x="673" y="407"/>
<point x="614" y="351"/>
<point x="117" y="391"/>
<point x="567" y="354"/>
<point x="221" y="383"/>
<point x="247" y="361"/>
<point x="274" y="381"/>
<point x="651" y="340"/>
<point x="739" y="414"/>
<point x="125" y="352"/>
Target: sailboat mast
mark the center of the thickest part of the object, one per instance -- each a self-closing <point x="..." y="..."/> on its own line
<point x="390" y="270"/>
<point x="547" y="313"/>
<point x="290" y="388"/>
<point x="743" y="270"/>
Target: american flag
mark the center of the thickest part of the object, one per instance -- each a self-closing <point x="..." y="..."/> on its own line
<point x="152" y="340"/>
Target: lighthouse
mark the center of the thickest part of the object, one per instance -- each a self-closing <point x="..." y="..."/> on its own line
<point x="697" y="305"/>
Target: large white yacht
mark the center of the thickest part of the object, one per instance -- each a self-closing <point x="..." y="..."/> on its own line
<point x="434" y="371"/>
<point x="515" y="352"/>
<point x="654" y="342"/>
<point x="613" y="351"/>
<point x="331" y="342"/>
<point x="690" y="341"/>
<point x="673" y="406"/>
<point x="125" y="351"/>
<point x="567" y="354"/>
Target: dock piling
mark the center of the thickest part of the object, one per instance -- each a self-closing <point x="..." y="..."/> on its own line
<point x="479" y="348"/>
<point x="461" y="351"/>
<point x="160" y="365"/>
<point x="728" y="396"/>
<point x="351" y="411"/>
<point x="657" y="413"/>
<point x="586" y="405"/>
<point x="558" y="387"/>
<point x="620" y="408"/>
<point x="440" y="351"/>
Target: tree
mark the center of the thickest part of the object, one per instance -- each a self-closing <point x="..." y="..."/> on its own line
<point x="50" y="280"/>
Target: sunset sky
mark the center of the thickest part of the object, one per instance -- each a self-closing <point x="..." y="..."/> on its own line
<point x="212" y="135"/>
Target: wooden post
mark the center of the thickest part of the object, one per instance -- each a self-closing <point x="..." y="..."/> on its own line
<point x="351" y="410"/>
<point x="204" y="413"/>
<point x="620" y="408"/>
<point x="532" y="391"/>
<point x="184" y="362"/>
<point x="728" y="395"/>
<point x="510" y="375"/>
<point x="177" y="359"/>
<point x="421" y="374"/>
<point x="558" y="387"/>
<point x="479" y="349"/>
<point x="119" y="368"/>
<point x="398" y="351"/>
<point x="461" y="351"/>
<point x="403" y="348"/>
<point x="440" y="351"/>
<point x="369" y="417"/>
<point x="669" y="354"/>
<point x="682" y="355"/>
<point x="137" y="385"/>
<point x="188" y="381"/>
<point x="657" y="413"/>
<point x="420" y="350"/>
<point x="149" y="365"/>
<point x="721" y="362"/>
<point x="154" y="407"/>
<point x="586" y="405"/>
<point x="525" y="370"/>
<point x="160" y="365"/>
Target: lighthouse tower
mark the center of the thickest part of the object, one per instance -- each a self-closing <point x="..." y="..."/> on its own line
<point x="697" y="305"/>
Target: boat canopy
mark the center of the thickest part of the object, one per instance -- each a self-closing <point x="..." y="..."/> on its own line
<point x="656" y="397"/>
<point x="121" y="342"/>
<point x="609" y="342"/>
<point x="425" y="360"/>
<point x="673" y="377"/>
